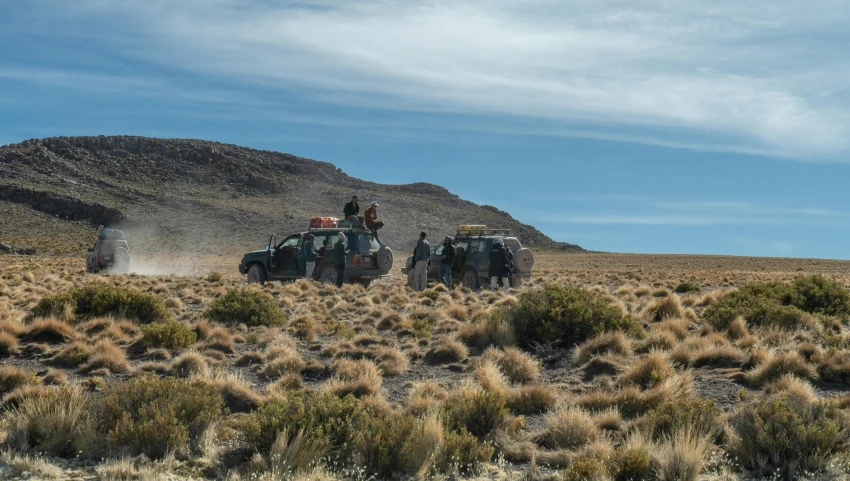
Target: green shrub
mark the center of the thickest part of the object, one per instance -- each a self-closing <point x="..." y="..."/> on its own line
<point x="96" y="300"/>
<point x="687" y="286"/>
<point x="699" y="415"/>
<point x="245" y="306"/>
<point x="462" y="451"/>
<point x="154" y="416"/>
<point x="170" y="335"/>
<point x="779" y="435"/>
<point x="629" y="463"/>
<point x="339" y="420"/>
<point x="781" y="304"/>
<point x="565" y="314"/>
<point x="479" y="412"/>
<point x="214" y="276"/>
<point x="584" y="468"/>
<point x="819" y="295"/>
<point x="55" y="305"/>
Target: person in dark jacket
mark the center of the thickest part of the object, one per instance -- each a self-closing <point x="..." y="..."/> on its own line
<point x="499" y="267"/>
<point x="339" y="254"/>
<point x="421" y="256"/>
<point x="351" y="209"/>
<point x="309" y="250"/>
<point x="447" y="258"/>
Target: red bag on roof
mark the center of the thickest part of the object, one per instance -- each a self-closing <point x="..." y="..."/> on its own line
<point x="323" y="222"/>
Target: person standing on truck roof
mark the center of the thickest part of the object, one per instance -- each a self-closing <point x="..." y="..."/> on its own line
<point x="499" y="267"/>
<point x="372" y="221"/>
<point x="309" y="255"/>
<point x="447" y="258"/>
<point x="351" y="209"/>
<point x="339" y="257"/>
<point x="421" y="256"/>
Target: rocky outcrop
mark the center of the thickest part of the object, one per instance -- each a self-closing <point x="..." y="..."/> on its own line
<point x="64" y="207"/>
<point x="29" y="251"/>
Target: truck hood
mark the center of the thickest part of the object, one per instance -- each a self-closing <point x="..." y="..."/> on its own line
<point x="254" y="255"/>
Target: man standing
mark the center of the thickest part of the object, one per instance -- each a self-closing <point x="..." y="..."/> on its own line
<point x="421" y="256"/>
<point x="372" y="221"/>
<point x="351" y="210"/>
<point x="339" y="257"/>
<point x="309" y="255"/>
<point x="499" y="265"/>
<point x="447" y="258"/>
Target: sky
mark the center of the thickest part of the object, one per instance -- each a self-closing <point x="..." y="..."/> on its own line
<point x="658" y="126"/>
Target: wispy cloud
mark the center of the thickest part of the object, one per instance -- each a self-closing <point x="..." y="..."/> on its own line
<point x="724" y="75"/>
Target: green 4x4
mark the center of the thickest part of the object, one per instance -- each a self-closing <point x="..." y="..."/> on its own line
<point x="284" y="260"/>
<point x="472" y="259"/>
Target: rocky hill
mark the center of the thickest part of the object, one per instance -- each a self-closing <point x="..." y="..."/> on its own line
<point x="196" y="196"/>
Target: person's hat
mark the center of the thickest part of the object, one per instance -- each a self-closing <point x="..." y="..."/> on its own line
<point x="341" y="236"/>
<point x="374" y="204"/>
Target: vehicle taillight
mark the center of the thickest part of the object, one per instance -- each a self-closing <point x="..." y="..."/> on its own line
<point x="356" y="260"/>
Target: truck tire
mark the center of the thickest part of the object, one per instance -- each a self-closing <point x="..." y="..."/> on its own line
<point x="329" y="275"/>
<point x="470" y="278"/>
<point x="385" y="258"/>
<point x="523" y="260"/>
<point x="256" y="274"/>
<point x="122" y="261"/>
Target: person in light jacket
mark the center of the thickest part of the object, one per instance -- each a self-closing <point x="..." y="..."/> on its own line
<point x="421" y="256"/>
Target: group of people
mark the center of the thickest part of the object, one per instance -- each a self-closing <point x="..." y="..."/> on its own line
<point x="501" y="263"/>
<point x="351" y="212"/>
<point x="336" y="255"/>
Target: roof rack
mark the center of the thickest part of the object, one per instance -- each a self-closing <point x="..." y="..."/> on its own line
<point x="487" y="232"/>
<point x="350" y="228"/>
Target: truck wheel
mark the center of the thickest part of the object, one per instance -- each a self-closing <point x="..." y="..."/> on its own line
<point x="256" y="274"/>
<point x="470" y="279"/>
<point x="385" y="258"/>
<point x="523" y="260"/>
<point x="329" y="275"/>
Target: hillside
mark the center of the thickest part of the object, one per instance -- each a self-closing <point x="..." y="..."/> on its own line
<point x="192" y="196"/>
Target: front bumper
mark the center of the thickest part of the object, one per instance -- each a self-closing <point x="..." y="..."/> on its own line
<point x="243" y="269"/>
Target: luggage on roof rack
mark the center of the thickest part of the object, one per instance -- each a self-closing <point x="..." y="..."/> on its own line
<point x="323" y="222"/>
<point x="471" y="229"/>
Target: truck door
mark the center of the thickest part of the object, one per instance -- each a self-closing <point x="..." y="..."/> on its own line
<point x="434" y="267"/>
<point x="285" y="256"/>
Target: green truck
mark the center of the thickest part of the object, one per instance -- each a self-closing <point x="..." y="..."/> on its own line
<point x="284" y="260"/>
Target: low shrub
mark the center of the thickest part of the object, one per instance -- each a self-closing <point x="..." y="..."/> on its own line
<point x="609" y="342"/>
<point x="647" y="371"/>
<point x="530" y="399"/>
<point x="778" y="436"/>
<point x="701" y="416"/>
<point x="585" y="468"/>
<point x="153" y="416"/>
<point x="632" y="460"/>
<point x="563" y="314"/>
<point x="98" y="300"/>
<point x="245" y="306"/>
<point x="319" y="415"/>
<point x="55" y="305"/>
<point x="491" y="329"/>
<point x="516" y="365"/>
<point x="168" y="335"/>
<point x="669" y="307"/>
<point x="479" y="412"/>
<point x="569" y="428"/>
<point x="687" y="286"/>
<point x="781" y="304"/>
<point x="780" y="364"/>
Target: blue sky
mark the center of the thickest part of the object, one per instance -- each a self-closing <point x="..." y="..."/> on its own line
<point x="658" y="126"/>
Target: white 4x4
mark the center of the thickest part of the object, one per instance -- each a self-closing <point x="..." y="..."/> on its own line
<point x="110" y="253"/>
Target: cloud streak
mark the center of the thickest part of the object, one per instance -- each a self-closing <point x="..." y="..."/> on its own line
<point x="726" y="76"/>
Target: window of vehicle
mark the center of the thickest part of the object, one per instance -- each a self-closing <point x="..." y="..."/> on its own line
<point x="367" y="242"/>
<point x="290" y="242"/>
<point x="461" y="245"/>
<point x="439" y="249"/>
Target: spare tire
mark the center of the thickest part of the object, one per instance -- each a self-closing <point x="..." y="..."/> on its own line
<point x="523" y="260"/>
<point x="385" y="258"/>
